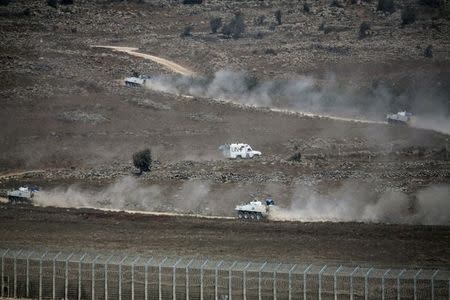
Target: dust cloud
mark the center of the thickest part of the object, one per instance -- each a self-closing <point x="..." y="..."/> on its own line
<point x="352" y="202"/>
<point x="325" y="97"/>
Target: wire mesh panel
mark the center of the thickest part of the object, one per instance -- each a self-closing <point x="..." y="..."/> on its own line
<point x="56" y="275"/>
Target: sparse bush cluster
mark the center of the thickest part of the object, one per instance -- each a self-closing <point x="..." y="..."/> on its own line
<point x="235" y="28"/>
<point x="364" y="30"/>
<point x="408" y="15"/>
<point x="432" y="3"/>
<point x="277" y="15"/>
<point x="429" y="51"/>
<point x="297" y="156"/>
<point x="54" y="3"/>
<point x="4" y="2"/>
<point x="143" y="160"/>
<point x="386" y="6"/>
<point x="215" y="24"/>
<point x="186" y="31"/>
<point x="192" y="1"/>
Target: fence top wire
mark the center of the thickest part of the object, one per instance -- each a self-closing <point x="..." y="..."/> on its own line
<point x="234" y="266"/>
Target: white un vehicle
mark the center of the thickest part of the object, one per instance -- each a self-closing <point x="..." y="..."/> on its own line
<point x="239" y="150"/>
<point x="255" y="210"/>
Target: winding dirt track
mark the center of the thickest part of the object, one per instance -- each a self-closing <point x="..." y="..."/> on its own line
<point x="167" y="63"/>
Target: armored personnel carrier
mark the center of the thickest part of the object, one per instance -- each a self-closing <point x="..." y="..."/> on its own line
<point x="21" y="195"/>
<point x="136" y="81"/>
<point x="255" y="210"/>
<point x="401" y="117"/>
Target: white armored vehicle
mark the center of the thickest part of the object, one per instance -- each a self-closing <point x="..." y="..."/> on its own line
<point x="136" y="80"/>
<point x="22" y="194"/>
<point x="401" y="117"/>
<point x="255" y="210"/>
<point x="239" y="150"/>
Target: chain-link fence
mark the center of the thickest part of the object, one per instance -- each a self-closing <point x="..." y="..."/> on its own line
<point x="62" y="275"/>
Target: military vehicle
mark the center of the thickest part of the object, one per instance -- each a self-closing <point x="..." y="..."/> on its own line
<point x="21" y="195"/>
<point x="255" y="210"/>
<point x="401" y="117"/>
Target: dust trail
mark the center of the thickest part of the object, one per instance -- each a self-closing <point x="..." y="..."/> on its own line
<point x="167" y="63"/>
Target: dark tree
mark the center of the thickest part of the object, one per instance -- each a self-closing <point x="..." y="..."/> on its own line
<point x="215" y="24"/>
<point x="429" y="51"/>
<point x="192" y="1"/>
<point x="386" y="5"/>
<point x="277" y="15"/>
<point x="143" y="160"/>
<point x="297" y="156"/>
<point x="306" y="7"/>
<point x="363" y="29"/>
<point x="66" y="2"/>
<point x="408" y="15"/>
<point x="235" y="28"/>
<point x="52" y="3"/>
<point x="4" y="2"/>
<point x="186" y="31"/>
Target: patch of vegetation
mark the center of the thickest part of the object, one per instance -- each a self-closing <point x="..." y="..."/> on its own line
<point x="429" y="51"/>
<point x="297" y="156"/>
<point x="4" y="2"/>
<point x="336" y="3"/>
<point x="143" y="160"/>
<point x="186" y="31"/>
<point x="364" y="30"/>
<point x="306" y="8"/>
<point x="408" y="15"/>
<point x="215" y="24"/>
<point x="52" y="3"/>
<point x="66" y="2"/>
<point x="259" y="20"/>
<point x="432" y="3"/>
<point x="192" y="1"/>
<point x="386" y="6"/>
<point x="277" y="15"/>
<point x="270" y="51"/>
<point x="235" y="28"/>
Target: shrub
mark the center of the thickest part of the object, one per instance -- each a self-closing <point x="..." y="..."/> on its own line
<point x="306" y="7"/>
<point x="4" y="2"/>
<point x="215" y="24"/>
<point x="235" y="28"/>
<point x="336" y="3"/>
<point x="186" y="31"/>
<point x="66" y="2"/>
<point x="143" y="160"/>
<point x="429" y="51"/>
<point x="432" y="3"/>
<point x="277" y="15"/>
<point x="297" y="156"/>
<point x="363" y="29"/>
<point x="52" y="3"/>
<point x="270" y="51"/>
<point x="192" y="1"/>
<point x="260" y="20"/>
<point x="408" y="15"/>
<point x="259" y="35"/>
<point x="386" y="5"/>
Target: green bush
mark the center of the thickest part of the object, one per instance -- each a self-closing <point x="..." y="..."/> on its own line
<point x="143" y="160"/>
<point x="408" y="15"/>
<point x="52" y="3"/>
<point x="297" y="156"/>
<point x="186" y="31"/>
<point x="386" y="5"/>
<point x="215" y="24"/>
<point x="363" y="29"/>
<point x="306" y="7"/>
<point x="192" y="1"/>
<point x="429" y="51"/>
<point x="235" y="28"/>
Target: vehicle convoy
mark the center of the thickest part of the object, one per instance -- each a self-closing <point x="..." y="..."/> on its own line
<point x="136" y="80"/>
<point x="255" y="210"/>
<point x="21" y="195"/>
<point x="401" y="117"/>
<point x="239" y="150"/>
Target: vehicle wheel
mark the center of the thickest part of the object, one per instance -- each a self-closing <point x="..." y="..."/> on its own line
<point x="253" y="216"/>
<point x="258" y="216"/>
<point x="256" y="156"/>
<point x="246" y="215"/>
<point x="240" y="215"/>
<point x="238" y="157"/>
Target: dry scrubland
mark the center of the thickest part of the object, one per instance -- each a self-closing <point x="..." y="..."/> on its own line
<point x="66" y="114"/>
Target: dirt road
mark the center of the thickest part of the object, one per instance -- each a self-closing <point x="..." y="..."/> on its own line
<point x="347" y="243"/>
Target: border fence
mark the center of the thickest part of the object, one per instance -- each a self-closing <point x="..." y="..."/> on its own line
<point x="62" y="275"/>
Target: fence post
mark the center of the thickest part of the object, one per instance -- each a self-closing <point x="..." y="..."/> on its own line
<point x="159" y="278"/>
<point x="366" y="284"/>
<point x="382" y="283"/>
<point x="132" y="277"/>
<point x="351" y="282"/>
<point x="3" y="271"/>
<point x="106" y="276"/>
<point x="320" y="281"/>
<point x="259" y="280"/>
<point x="201" y="279"/>
<point x="66" y="277"/>
<point x="28" y="275"/>
<point x="432" y="283"/>
<point x="398" y="283"/>
<point x="40" y="275"/>
<point x="145" y="279"/>
<point x="290" y="281"/>
<point x="54" y="276"/>
<point x="230" y="270"/>
<point x="244" y="286"/>
<point x="335" y="282"/>
<point x="305" y="273"/>
<point x="15" y="273"/>
<point x="120" y="277"/>
<point x="216" y="280"/>
<point x="187" y="278"/>
<point x="93" y="277"/>
<point x="174" y="283"/>
<point x="415" y="284"/>
<point x="79" y="275"/>
<point x="275" y="282"/>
